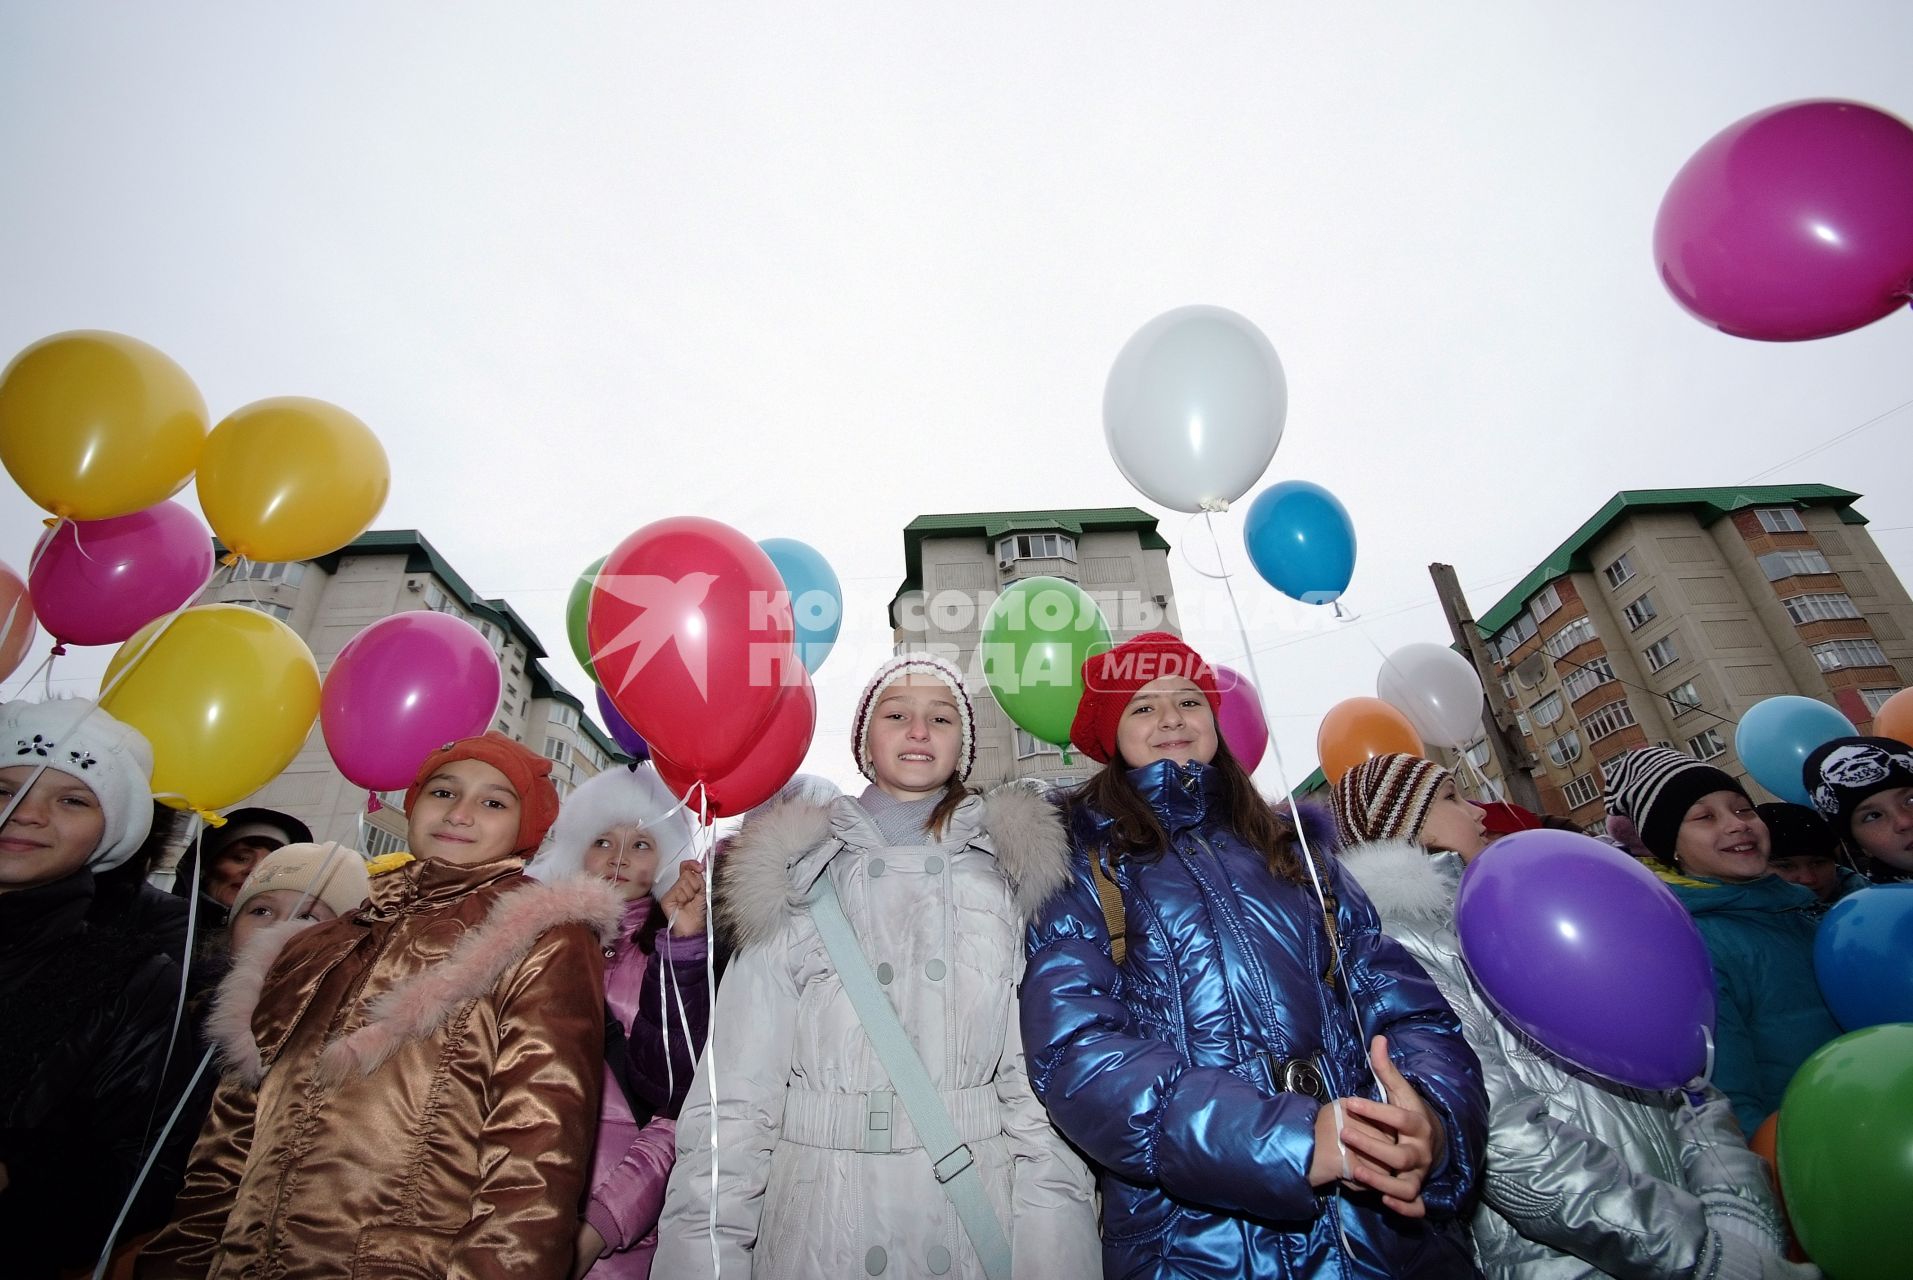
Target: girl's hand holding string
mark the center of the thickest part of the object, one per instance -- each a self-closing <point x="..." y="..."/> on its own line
<point x="1393" y="1145"/>
<point x="684" y="904"/>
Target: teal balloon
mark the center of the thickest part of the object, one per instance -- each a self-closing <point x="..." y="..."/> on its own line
<point x="1777" y="735"/>
<point x="816" y="597"/>
<point x="1301" y="541"/>
<point x="577" y="610"/>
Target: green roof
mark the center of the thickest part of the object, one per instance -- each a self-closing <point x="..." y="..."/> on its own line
<point x="1311" y="785"/>
<point x="990" y="525"/>
<point x="1708" y="505"/>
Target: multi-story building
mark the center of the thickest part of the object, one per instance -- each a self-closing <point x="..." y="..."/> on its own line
<point x="1670" y="612"/>
<point x="954" y="567"/>
<point x="331" y="599"/>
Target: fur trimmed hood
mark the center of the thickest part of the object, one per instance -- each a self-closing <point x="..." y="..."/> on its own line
<point x="418" y="1006"/>
<point x="631" y="795"/>
<point x="766" y="873"/>
<point x="1404" y="880"/>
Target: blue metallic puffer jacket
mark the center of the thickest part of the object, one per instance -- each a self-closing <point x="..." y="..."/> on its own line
<point x="1159" y="1070"/>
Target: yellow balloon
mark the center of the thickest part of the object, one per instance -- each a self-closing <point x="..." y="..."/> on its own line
<point x="96" y="424"/>
<point x="226" y="695"/>
<point x="291" y="478"/>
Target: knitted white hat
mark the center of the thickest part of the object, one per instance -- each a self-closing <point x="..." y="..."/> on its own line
<point x="901" y="667"/>
<point x="73" y="736"/>
<point x="331" y="873"/>
<point x="623" y="795"/>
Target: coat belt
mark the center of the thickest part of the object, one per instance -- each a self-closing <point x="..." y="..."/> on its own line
<point x="875" y="1121"/>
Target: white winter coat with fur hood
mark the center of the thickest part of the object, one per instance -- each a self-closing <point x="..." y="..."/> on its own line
<point x="802" y="1191"/>
<point x="1583" y="1178"/>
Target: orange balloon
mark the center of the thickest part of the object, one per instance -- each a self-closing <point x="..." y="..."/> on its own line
<point x="16" y="621"/>
<point x="1894" y="719"/>
<point x="1358" y="729"/>
<point x="1765" y="1138"/>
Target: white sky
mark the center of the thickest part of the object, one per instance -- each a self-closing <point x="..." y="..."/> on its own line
<point x="817" y="269"/>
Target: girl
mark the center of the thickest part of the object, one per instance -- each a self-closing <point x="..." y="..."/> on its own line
<point x="310" y="882"/>
<point x="1583" y="1178"/>
<point x="625" y="828"/>
<point x="1758" y="928"/>
<point x="821" y="1169"/>
<point x="1864" y="787"/>
<point x="1190" y="1027"/>
<point x="411" y="1089"/>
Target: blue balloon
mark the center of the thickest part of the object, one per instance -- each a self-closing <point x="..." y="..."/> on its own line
<point x="1777" y="735"/>
<point x="1301" y="541"/>
<point x="816" y="598"/>
<point x="1863" y="956"/>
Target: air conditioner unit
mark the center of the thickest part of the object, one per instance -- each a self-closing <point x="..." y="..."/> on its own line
<point x="414" y="585"/>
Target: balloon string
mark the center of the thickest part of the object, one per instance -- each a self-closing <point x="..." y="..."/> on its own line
<point x="119" y="1223"/>
<point x="705" y="835"/>
<point x="45" y="544"/>
<point x="46" y="665"/>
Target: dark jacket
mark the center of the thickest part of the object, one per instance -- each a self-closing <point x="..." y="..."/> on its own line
<point x="1160" y="1069"/>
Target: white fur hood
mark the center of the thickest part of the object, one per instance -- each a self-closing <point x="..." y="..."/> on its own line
<point x="1404" y="880"/>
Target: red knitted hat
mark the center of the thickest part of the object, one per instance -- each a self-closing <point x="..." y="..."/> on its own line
<point x="1111" y="679"/>
<point x="528" y="772"/>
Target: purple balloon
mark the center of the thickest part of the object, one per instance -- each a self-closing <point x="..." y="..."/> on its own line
<point x="1240" y="721"/>
<point x="401" y="689"/>
<point x="621" y="731"/>
<point x="99" y="581"/>
<point x="1585" y="950"/>
<point x="1794" y="223"/>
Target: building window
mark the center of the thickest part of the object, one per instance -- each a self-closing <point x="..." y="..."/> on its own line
<point x="1587" y="677"/>
<point x="1572" y="636"/>
<point x="1876" y="698"/>
<point x="1521" y="723"/>
<point x="563" y="715"/>
<point x="438" y="602"/>
<point x="1837" y="655"/>
<point x="1513" y="636"/>
<point x="379" y="842"/>
<point x="1477" y="753"/>
<point x="562" y="786"/>
<point x="1820" y="606"/>
<point x="267" y="607"/>
<point x="1608" y="766"/>
<point x="1791" y="564"/>
<point x="1780" y="520"/>
<point x="1641" y="612"/>
<point x="557" y="752"/>
<point x="1507" y="688"/>
<point x="1034" y="546"/>
<point x="1706" y="744"/>
<point x="1028" y="745"/>
<point x="1661" y="653"/>
<point x="1612" y="718"/>
<point x="1545" y="602"/>
<point x="1618" y="571"/>
<point x="1683" y="699"/>
<point x="1581" y="790"/>
<point x="290" y="572"/>
<point x="1565" y="749"/>
<point x="1546" y="711"/>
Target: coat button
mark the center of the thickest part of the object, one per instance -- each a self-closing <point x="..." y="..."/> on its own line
<point x="933" y="970"/>
<point x="876" y="1260"/>
<point x="933" y="864"/>
<point x="938" y="1258"/>
<point x="875" y="868"/>
<point x="885" y="973"/>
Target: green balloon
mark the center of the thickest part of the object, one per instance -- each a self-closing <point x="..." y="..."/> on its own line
<point x="1846" y="1153"/>
<point x="1035" y="638"/>
<point x="577" y="609"/>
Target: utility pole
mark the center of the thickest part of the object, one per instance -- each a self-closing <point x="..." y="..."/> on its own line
<point x="1501" y="738"/>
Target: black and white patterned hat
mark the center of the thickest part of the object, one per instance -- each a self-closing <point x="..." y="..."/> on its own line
<point x="1841" y="774"/>
<point x="1654" y="787"/>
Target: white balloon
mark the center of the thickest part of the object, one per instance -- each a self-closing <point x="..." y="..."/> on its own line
<point x="1194" y="407"/>
<point x="1437" y="689"/>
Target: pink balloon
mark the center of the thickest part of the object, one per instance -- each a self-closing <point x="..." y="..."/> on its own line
<point x="16" y="621"/>
<point x="1240" y="720"/>
<point x="1794" y="223"/>
<point x="99" y="581"/>
<point x="402" y="688"/>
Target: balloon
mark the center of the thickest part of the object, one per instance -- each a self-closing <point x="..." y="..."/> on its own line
<point x="1547" y="918"/>
<point x="402" y="688"/>
<point x="780" y="747"/>
<point x="816" y="597"/>
<point x="1894" y="719"/>
<point x="577" y="611"/>
<point x="1794" y="223"/>
<point x="1194" y="406"/>
<point x="291" y="478"/>
<point x="1035" y="637"/>
<point x="1776" y="735"/>
<point x="620" y="729"/>
<point x="95" y="425"/>
<point x="226" y="695"/>
<point x="690" y="634"/>
<point x="1863" y="956"/>
<point x="1241" y="722"/>
<point x="1846" y="1153"/>
<point x="16" y="621"/>
<point x="99" y="581"/>
<point x="1301" y="541"/>
<point x="1358" y="729"/>
<point x="1765" y="1141"/>
<point x="1437" y="689"/>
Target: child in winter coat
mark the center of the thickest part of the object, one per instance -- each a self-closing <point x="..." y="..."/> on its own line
<point x="1584" y="1178"/>
<point x="85" y="1008"/>
<point x="1188" y="1015"/>
<point x="625" y="827"/>
<point x="821" y="1171"/>
<point x="309" y="882"/>
<point x="411" y="1089"/>
<point x="1864" y="788"/>
<point x="1806" y="852"/>
<point x="1759" y="930"/>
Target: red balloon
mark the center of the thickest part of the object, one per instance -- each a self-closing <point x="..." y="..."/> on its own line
<point x="690" y="632"/>
<point x="779" y="748"/>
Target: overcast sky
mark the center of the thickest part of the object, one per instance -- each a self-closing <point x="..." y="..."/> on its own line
<point x="814" y="270"/>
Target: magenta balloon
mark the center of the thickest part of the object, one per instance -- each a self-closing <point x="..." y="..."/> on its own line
<point x="402" y="688"/>
<point x="1240" y="720"/>
<point x="1794" y="223"/>
<point x="620" y="729"/>
<point x="1585" y="950"/>
<point x="99" y="581"/>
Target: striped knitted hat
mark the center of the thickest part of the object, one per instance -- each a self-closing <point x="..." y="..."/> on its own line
<point x="901" y="667"/>
<point x="1385" y="798"/>
<point x="1654" y="787"/>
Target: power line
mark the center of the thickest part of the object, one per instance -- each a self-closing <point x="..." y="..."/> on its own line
<point x="1828" y="444"/>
